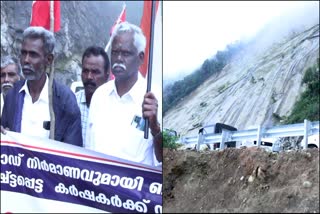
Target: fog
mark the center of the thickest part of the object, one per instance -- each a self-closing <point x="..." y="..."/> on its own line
<point x="288" y="24"/>
<point x="272" y="23"/>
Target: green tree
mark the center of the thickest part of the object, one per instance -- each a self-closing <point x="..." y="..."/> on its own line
<point x="307" y="107"/>
<point x="176" y="92"/>
<point x="169" y="140"/>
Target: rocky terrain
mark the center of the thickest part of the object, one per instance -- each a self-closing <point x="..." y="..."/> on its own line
<point x="257" y="87"/>
<point x="241" y="181"/>
<point x="83" y="23"/>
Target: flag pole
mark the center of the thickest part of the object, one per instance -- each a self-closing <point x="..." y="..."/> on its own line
<point x="117" y="22"/>
<point x="107" y="47"/>
<point x="149" y="75"/>
<point x="52" y="116"/>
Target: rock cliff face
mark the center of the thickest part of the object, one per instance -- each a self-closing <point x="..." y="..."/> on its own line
<point x="250" y="90"/>
<point x="83" y="23"/>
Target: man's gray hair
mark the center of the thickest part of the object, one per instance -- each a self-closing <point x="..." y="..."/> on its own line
<point x="9" y="60"/>
<point x="39" y="32"/>
<point x="139" y="39"/>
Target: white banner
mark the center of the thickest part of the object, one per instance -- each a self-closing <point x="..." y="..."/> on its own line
<point x="40" y="175"/>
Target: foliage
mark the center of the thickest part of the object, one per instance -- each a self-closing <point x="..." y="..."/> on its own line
<point x="178" y="90"/>
<point x="253" y="80"/>
<point x="169" y="140"/>
<point x="276" y="117"/>
<point x="307" y="107"/>
<point x="222" y="88"/>
<point x="273" y="97"/>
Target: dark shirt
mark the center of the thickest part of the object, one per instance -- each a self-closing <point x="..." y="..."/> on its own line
<point x="65" y="107"/>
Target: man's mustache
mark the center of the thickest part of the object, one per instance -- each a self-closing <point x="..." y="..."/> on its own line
<point x="27" y="67"/>
<point x="120" y="65"/>
<point x="7" y="84"/>
<point x="90" y="83"/>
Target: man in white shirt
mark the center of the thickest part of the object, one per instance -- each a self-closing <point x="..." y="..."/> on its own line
<point x="119" y="107"/>
<point x="26" y="107"/>
<point x="95" y="72"/>
<point x="10" y="73"/>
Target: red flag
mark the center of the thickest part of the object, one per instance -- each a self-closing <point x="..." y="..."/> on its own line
<point x="121" y="18"/>
<point x="145" y="27"/>
<point x="41" y="14"/>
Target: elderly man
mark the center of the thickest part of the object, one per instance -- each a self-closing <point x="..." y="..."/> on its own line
<point x="119" y="107"/>
<point x="26" y="107"/>
<point x="10" y="73"/>
<point x="95" y="72"/>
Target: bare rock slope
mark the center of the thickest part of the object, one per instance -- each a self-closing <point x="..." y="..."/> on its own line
<point x="257" y="85"/>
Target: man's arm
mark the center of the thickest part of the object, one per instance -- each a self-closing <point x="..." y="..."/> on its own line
<point x="157" y="141"/>
<point x="11" y="103"/>
<point x="150" y="112"/>
<point x="74" y="131"/>
<point x="68" y="116"/>
<point x="3" y="119"/>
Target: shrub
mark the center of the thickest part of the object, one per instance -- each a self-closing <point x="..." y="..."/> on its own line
<point x="307" y="107"/>
<point x="169" y="141"/>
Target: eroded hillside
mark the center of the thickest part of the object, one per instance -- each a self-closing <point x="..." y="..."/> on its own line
<point x="251" y="90"/>
<point x="248" y="180"/>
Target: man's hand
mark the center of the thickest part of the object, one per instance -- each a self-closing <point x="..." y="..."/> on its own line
<point x="4" y="130"/>
<point x="150" y="112"/>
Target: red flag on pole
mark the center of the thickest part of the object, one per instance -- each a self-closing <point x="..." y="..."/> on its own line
<point x="121" y="18"/>
<point x="145" y="27"/>
<point x="40" y="15"/>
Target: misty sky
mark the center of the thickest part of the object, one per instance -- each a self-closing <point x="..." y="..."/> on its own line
<point x="194" y="31"/>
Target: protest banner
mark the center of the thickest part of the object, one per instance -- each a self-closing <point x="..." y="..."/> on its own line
<point x="42" y="175"/>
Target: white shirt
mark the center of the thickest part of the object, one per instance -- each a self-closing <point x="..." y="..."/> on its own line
<point x="34" y="114"/>
<point x="82" y="103"/>
<point x="110" y="126"/>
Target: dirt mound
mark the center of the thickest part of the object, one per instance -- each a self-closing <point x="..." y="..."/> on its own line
<point x="241" y="180"/>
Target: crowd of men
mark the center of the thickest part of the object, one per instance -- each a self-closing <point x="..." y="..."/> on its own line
<point x="107" y="116"/>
